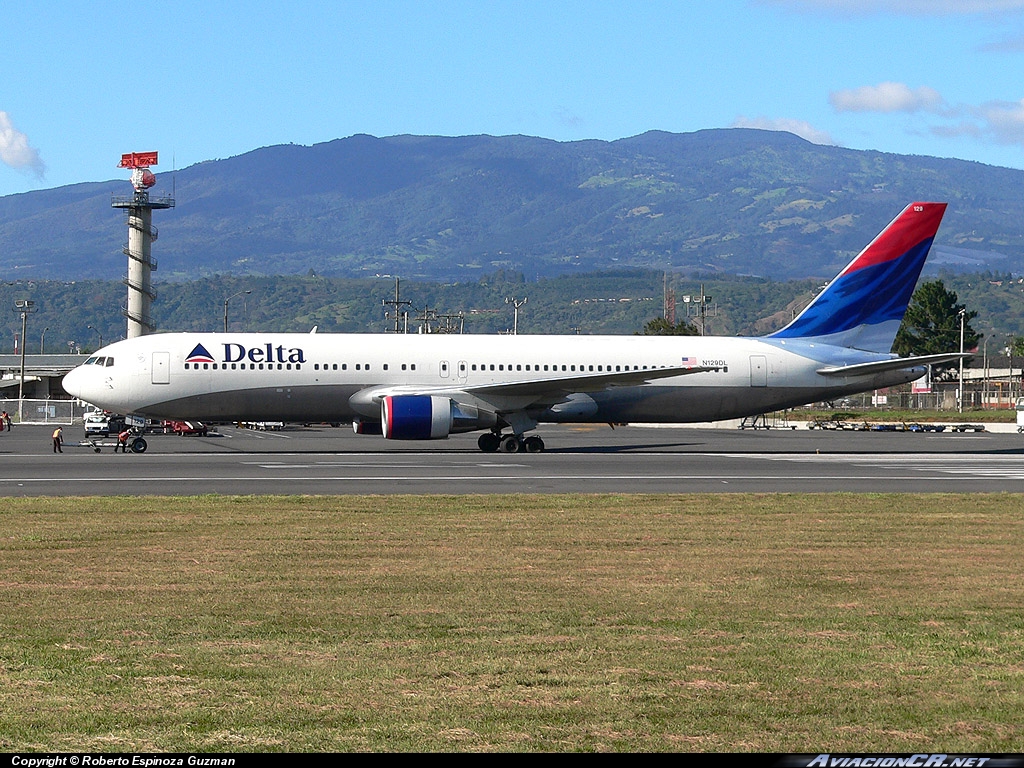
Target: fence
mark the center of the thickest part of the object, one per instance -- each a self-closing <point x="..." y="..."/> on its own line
<point x="43" y="411"/>
<point x="943" y="400"/>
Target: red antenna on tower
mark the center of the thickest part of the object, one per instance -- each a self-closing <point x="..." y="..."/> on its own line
<point x="139" y="162"/>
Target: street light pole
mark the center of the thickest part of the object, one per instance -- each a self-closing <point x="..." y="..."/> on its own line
<point x="98" y="334"/>
<point x="515" y="313"/>
<point x="25" y="307"/>
<point x="229" y="298"/>
<point x="960" y="398"/>
<point x="42" y="341"/>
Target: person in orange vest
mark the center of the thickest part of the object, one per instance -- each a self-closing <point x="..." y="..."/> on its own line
<point x="58" y="438"/>
<point x="122" y="440"/>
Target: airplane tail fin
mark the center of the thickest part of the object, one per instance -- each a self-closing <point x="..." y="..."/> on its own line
<point x="864" y="305"/>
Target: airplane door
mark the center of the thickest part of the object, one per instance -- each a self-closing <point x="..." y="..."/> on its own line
<point x="758" y="371"/>
<point x="161" y="367"/>
<point x="463" y="371"/>
<point x="443" y="369"/>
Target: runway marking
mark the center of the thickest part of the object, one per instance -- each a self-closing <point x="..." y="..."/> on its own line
<point x="1008" y="468"/>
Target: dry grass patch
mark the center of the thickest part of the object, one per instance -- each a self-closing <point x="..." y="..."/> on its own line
<point x="700" y="622"/>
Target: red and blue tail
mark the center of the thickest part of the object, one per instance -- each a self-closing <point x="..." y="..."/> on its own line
<point x="864" y="305"/>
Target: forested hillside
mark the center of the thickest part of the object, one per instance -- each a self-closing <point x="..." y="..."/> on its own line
<point x="608" y="302"/>
<point x="734" y="201"/>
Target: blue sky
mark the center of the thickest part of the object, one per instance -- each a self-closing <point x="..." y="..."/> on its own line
<point x="83" y="82"/>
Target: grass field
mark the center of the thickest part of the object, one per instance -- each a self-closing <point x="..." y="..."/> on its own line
<point x="787" y="623"/>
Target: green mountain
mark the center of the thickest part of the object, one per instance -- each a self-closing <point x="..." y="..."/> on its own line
<point x="436" y="208"/>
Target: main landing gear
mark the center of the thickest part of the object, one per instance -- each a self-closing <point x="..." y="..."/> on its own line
<point x="490" y="442"/>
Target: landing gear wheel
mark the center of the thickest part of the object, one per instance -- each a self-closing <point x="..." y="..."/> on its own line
<point x="533" y="444"/>
<point x="510" y="444"/>
<point x="489" y="442"/>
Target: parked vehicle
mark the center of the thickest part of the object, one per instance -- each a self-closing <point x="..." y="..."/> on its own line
<point x="185" y="428"/>
<point x="101" y="423"/>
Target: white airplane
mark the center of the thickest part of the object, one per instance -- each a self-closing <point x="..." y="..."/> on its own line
<point x="426" y="387"/>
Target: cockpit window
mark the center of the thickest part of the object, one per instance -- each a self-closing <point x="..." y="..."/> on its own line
<point x="90" y="361"/>
<point x="101" y="361"/>
<point x="110" y="361"/>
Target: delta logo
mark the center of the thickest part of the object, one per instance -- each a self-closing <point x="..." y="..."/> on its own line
<point x="237" y="353"/>
<point x="199" y="355"/>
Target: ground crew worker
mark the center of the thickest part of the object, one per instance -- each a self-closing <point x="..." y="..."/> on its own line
<point x="122" y="440"/>
<point x="7" y="420"/>
<point x="58" y="438"/>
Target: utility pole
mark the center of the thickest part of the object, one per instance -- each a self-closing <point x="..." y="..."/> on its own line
<point x="396" y="303"/>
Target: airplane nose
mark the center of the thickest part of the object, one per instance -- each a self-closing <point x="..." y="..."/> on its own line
<point x="73" y="381"/>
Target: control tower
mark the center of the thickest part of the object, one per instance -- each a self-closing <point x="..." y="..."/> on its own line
<point x="141" y="233"/>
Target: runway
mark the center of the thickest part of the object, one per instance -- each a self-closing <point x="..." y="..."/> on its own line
<point x="325" y="460"/>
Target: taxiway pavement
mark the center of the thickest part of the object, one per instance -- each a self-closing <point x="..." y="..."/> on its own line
<point x="592" y="459"/>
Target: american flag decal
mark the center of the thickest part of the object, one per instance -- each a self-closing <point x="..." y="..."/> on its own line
<point x="689" y="361"/>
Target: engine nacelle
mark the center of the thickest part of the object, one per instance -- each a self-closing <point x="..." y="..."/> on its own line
<point x="430" y="417"/>
<point x="416" y="417"/>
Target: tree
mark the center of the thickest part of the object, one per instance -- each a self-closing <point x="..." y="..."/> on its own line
<point x="931" y="324"/>
<point x="660" y="326"/>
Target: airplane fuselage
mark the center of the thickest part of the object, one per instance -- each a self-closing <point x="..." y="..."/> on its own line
<point x="337" y="377"/>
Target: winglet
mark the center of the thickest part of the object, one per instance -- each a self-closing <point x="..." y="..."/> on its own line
<point x="864" y="305"/>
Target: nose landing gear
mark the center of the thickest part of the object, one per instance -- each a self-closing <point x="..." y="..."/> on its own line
<point x="490" y="442"/>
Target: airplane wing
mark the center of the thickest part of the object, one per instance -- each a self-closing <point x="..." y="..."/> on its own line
<point x="516" y="395"/>
<point x="593" y="382"/>
<point x="897" y="363"/>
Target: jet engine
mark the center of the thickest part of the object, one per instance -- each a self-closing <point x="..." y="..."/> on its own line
<point x="430" y="417"/>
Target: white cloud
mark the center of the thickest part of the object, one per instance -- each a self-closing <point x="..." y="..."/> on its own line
<point x="886" y="97"/>
<point x="1012" y="44"/>
<point x="799" y="127"/>
<point x="1003" y="121"/>
<point x="15" y="150"/>
<point x="994" y="122"/>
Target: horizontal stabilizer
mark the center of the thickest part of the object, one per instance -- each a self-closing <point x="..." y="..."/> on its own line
<point x="896" y="364"/>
